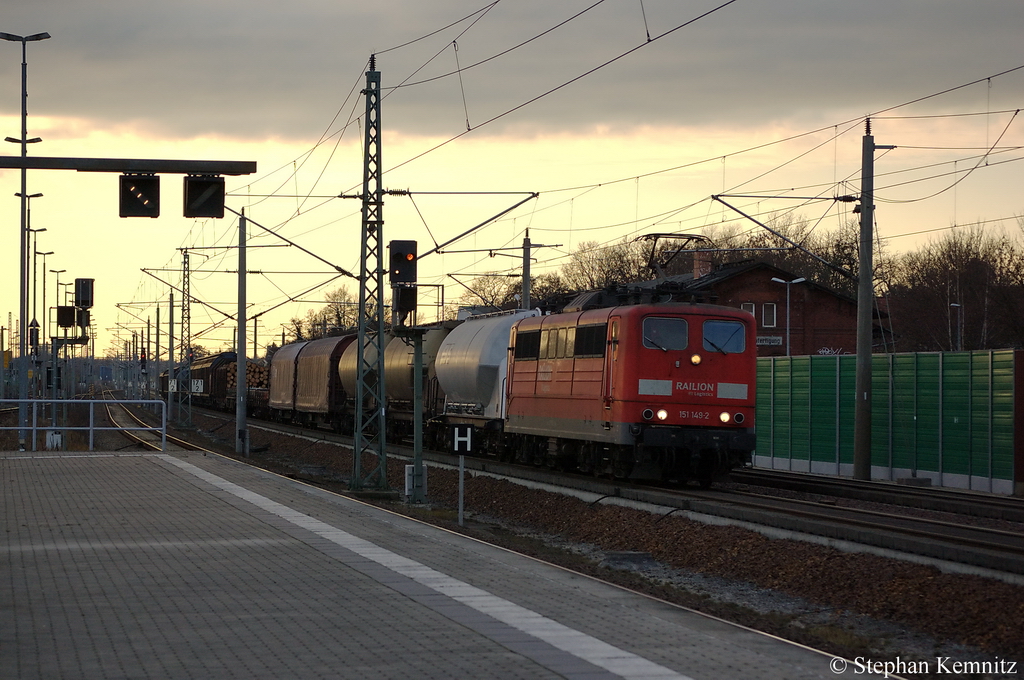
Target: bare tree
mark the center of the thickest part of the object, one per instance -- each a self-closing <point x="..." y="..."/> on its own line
<point x="965" y="290"/>
<point x="594" y="266"/>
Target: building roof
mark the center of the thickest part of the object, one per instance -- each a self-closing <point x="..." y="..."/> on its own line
<point x="708" y="282"/>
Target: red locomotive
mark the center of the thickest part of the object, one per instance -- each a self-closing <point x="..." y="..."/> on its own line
<point x="651" y="391"/>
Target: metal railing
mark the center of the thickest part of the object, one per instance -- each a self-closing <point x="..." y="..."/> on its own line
<point x="34" y="427"/>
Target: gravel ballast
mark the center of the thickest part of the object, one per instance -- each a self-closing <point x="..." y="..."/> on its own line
<point x="851" y="604"/>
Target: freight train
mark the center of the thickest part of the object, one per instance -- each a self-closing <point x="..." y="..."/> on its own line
<point x="653" y="391"/>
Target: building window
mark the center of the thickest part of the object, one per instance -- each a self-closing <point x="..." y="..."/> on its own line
<point x="748" y="307"/>
<point x="768" y="315"/>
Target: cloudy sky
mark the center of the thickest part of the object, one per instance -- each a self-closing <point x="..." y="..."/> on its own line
<point x="626" y="115"/>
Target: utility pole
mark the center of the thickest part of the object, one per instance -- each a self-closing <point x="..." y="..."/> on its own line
<point x="171" y="374"/>
<point x="156" y="354"/>
<point x="528" y="247"/>
<point x="865" y="308"/>
<point x="370" y="404"/>
<point x="526" y="270"/>
<point x="241" y="426"/>
<point x="146" y="368"/>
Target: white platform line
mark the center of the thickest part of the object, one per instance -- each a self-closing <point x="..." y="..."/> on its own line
<point x="588" y="648"/>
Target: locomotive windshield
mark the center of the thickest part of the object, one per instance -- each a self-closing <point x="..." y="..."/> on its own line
<point x="726" y="337"/>
<point x="665" y="333"/>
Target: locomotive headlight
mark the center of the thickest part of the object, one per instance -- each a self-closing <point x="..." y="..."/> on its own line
<point x="647" y="414"/>
<point x="724" y="416"/>
<point x="662" y="414"/>
<point x="695" y="359"/>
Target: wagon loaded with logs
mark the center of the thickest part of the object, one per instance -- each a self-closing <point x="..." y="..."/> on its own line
<point x="215" y="381"/>
<point x="257" y="376"/>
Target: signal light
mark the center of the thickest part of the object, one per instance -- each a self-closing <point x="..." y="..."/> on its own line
<point x="403" y="262"/>
<point x="140" y="196"/>
<point x="204" y="196"/>
<point x="83" y="293"/>
<point x="66" y="316"/>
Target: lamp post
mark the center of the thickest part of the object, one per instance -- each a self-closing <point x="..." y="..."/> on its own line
<point x="32" y="247"/>
<point x="788" y="284"/>
<point x="46" y="318"/>
<point x="23" y="289"/>
<point x="34" y="324"/>
<point x="46" y="312"/>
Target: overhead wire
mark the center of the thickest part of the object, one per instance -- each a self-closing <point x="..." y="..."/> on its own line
<point x="498" y="55"/>
<point x="564" y="84"/>
<point x="486" y="8"/>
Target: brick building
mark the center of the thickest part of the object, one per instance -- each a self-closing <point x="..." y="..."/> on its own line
<point x="820" y="321"/>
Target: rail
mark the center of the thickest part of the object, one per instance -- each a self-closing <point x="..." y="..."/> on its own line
<point x="92" y="427"/>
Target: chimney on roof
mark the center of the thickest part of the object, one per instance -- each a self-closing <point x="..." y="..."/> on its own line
<point x="702" y="264"/>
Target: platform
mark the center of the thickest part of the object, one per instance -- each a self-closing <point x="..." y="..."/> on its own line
<point x="141" y="565"/>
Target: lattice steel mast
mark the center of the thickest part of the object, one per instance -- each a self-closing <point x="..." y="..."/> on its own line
<point x="369" y="425"/>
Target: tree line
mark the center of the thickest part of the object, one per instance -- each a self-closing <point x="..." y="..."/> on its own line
<point x="961" y="290"/>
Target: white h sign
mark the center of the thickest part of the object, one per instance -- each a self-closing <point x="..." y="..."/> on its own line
<point x="462" y="439"/>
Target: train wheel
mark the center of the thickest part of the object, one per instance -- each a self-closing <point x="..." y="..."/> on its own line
<point x="585" y="456"/>
<point x="622" y="462"/>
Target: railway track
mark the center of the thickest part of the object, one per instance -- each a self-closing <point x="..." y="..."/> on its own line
<point x="889" y="531"/>
<point x="992" y="548"/>
<point x="122" y="417"/>
<point x="960" y="502"/>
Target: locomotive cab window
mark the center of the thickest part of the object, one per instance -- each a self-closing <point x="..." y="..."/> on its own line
<point x="727" y="337"/>
<point x="527" y="345"/>
<point x="665" y="333"/>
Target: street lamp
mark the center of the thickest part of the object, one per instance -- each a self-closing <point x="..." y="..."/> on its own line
<point x="33" y="325"/>
<point x="46" y="312"/>
<point x="788" y="284"/>
<point x="23" y="288"/>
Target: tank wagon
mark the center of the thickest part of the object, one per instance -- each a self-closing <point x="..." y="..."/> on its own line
<point x="348" y="368"/>
<point x="400" y="384"/>
<point x="472" y="366"/>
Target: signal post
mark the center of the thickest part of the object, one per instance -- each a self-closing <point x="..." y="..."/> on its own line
<point x="402" y="273"/>
<point x="139" y="196"/>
